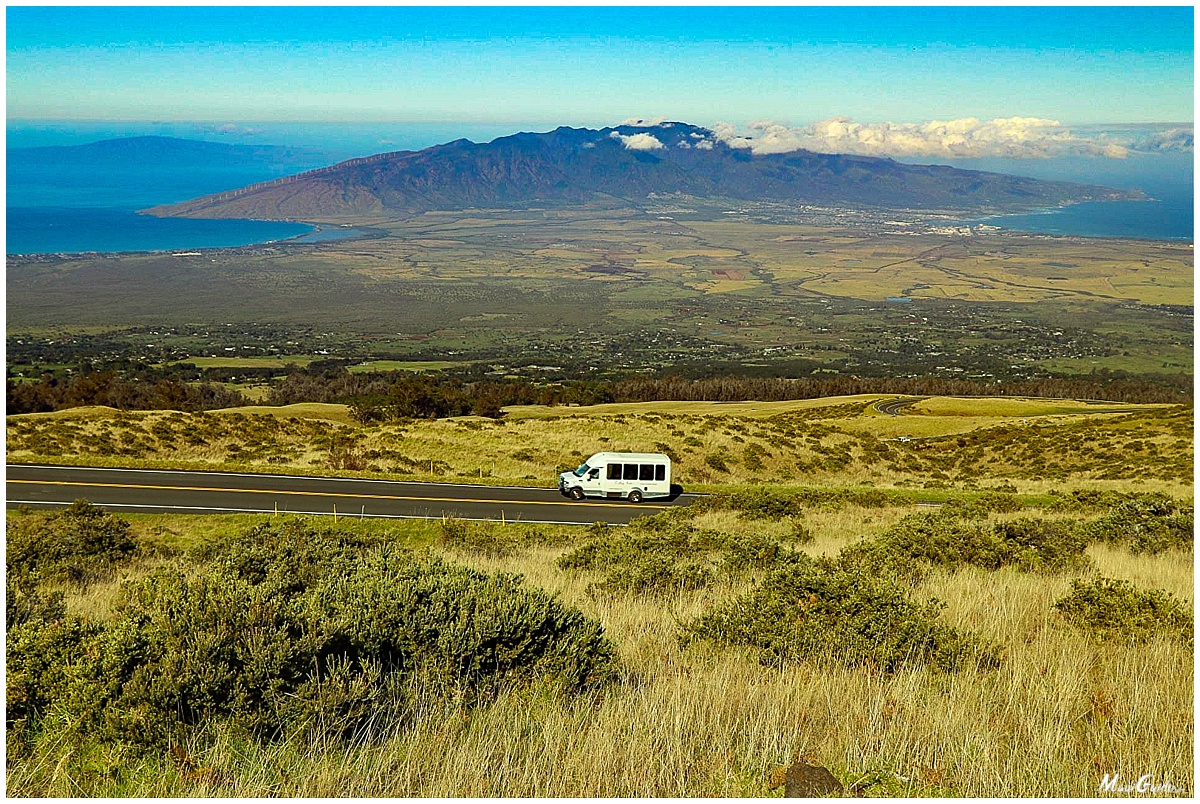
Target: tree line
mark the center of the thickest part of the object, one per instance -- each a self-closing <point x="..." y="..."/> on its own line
<point x="116" y="390"/>
<point x="387" y="396"/>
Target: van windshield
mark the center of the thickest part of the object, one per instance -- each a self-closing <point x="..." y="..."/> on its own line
<point x="582" y="470"/>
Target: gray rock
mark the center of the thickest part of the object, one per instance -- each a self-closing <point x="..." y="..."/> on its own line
<point x="809" y="781"/>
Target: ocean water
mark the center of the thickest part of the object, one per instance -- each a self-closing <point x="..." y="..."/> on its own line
<point x="1167" y="178"/>
<point x="65" y="202"/>
<point x="1159" y="219"/>
<point x="53" y="230"/>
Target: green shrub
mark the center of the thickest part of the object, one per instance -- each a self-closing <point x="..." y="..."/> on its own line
<point x="752" y="457"/>
<point x="873" y="498"/>
<point x="943" y="539"/>
<point x="717" y="461"/>
<point x="667" y="552"/>
<point x="1147" y="523"/>
<point x="25" y="602"/>
<point x="984" y="504"/>
<point x="876" y="557"/>
<point x="822" y="608"/>
<point x="1117" y="610"/>
<point x="757" y="504"/>
<point x="762" y="503"/>
<point x="326" y="636"/>
<point x="1086" y="500"/>
<point x="78" y="544"/>
<point x="1042" y="545"/>
<point x="43" y="649"/>
<point x="745" y="552"/>
<point x="650" y="573"/>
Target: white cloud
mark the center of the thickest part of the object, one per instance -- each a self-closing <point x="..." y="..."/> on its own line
<point x="1015" y="137"/>
<point x="728" y="134"/>
<point x="1174" y="139"/>
<point x="643" y="122"/>
<point x="638" y="142"/>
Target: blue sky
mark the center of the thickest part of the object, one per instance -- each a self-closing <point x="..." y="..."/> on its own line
<point x="596" y="66"/>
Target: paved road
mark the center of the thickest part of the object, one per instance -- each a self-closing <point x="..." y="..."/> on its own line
<point x="155" y="491"/>
<point x="896" y="407"/>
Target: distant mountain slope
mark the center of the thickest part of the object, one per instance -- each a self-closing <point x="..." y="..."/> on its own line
<point x="571" y="165"/>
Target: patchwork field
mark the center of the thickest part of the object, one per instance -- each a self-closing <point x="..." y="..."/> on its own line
<point x="620" y="288"/>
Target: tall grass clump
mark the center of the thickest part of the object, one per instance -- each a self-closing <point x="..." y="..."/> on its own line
<point x="286" y="632"/>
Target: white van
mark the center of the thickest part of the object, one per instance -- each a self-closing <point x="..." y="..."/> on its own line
<point x="633" y="476"/>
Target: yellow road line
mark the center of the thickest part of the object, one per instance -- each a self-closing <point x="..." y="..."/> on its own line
<point x="304" y="493"/>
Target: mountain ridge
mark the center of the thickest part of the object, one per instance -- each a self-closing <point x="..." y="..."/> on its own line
<point x="629" y="162"/>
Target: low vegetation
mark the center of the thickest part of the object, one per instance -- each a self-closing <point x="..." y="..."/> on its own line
<point x="290" y="630"/>
<point x="1031" y="634"/>
<point x="1147" y="524"/>
<point x="823" y="608"/>
<point x="1031" y="446"/>
<point x="78" y="545"/>
<point x="688" y="654"/>
<point x="1116" y="610"/>
<point x="950" y="540"/>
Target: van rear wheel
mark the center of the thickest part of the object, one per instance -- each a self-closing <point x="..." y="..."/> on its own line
<point x="576" y="493"/>
<point x="635" y="496"/>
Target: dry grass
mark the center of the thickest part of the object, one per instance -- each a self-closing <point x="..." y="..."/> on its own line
<point x="1059" y="713"/>
<point x="949" y="443"/>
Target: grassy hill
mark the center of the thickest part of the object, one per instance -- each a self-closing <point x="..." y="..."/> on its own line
<point x="1030" y="445"/>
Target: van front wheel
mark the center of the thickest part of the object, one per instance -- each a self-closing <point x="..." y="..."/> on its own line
<point x="576" y="493"/>
<point x="635" y="496"/>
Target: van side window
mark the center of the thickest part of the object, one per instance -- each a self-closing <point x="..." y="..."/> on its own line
<point x="631" y="471"/>
<point x="614" y="471"/>
<point x="646" y="471"/>
<point x="660" y="472"/>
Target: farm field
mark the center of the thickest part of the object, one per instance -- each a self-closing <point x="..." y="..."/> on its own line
<point x="599" y="289"/>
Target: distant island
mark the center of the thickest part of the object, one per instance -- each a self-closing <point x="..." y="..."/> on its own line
<point x="625" y="163"/>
